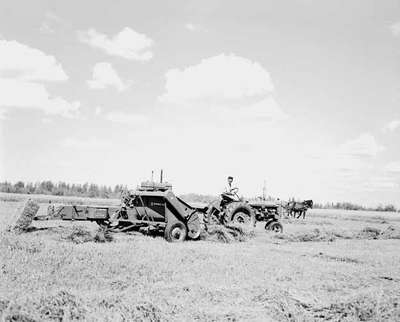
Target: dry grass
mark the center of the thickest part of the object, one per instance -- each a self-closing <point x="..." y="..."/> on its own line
<point x="226" y="234"/>
<point x="48" y="274"/>
<point x="330" y="235"/>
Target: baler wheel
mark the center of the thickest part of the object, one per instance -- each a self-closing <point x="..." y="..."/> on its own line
<point x="194" y="226"/>
<point x="176" y="232"/>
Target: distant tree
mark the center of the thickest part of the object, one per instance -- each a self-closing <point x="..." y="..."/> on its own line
<point x="19" y="187"/>
<point x="389" y="208"/>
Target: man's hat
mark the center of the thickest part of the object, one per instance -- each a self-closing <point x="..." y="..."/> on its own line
<point x="230" y="177"/>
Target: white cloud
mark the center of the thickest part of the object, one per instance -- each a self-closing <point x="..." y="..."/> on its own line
<point x="393" y="167"/>
<point x="222" y="77"/>
<point x="392" y="126"/>
<point x="22" y="62"/>
<point x="395" y="28"/>
<point x="51" y="22"/>
<point x="126" y="118"/>
<point x="363" y="146"/>
<point x="28" y="95"/>
<point x="105" y="75"/>
<point x="127" y="43"/>
<point x="22" y="69"/>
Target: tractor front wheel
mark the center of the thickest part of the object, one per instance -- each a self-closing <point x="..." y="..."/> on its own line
<point x="240" y="213"/>
<point x="176" y="232"/>
<point x="275" y="227"/>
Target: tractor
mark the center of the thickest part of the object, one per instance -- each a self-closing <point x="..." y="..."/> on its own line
<point x="232" y="208"/>
<point x="267" y="212"/>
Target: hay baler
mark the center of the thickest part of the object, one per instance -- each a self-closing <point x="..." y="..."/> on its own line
<point x="152" y="207"/>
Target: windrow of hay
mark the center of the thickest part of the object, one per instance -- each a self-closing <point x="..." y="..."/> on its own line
<point x="65" y="306"/>
<point x="226" y="234"/>
<point x="61" y="306"/>
<point x="316" y="234"/>
<point x="381" y="307"/>
<point x="25" y="219"/>
<point x="366" y="307"/>
<point x="390" y="232"/>
<point x="282" y="305"/>
<point x="313" y="235"/>
<point x="79" y="235"/>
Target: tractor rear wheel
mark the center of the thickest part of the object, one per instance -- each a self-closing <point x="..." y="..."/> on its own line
<point x="240" y="213"/>
<point x="241" y="218"/>
<point x="175" y="232"/>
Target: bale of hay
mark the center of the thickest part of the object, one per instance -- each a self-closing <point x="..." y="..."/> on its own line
<point x="25" y="219"/>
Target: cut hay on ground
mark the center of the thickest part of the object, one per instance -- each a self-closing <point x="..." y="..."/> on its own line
<point x="79" y="235"/>
<point x="226" y="234"/>
<point x="25" y="219"/>
<point x="319" y="235"/>
<point x="103" y="235"/>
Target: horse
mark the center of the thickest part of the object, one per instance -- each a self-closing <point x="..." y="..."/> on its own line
<point x="299" y="208"/>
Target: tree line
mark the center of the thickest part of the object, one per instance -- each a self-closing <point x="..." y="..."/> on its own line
<point x="353" y="206"/>
<point x="90" y="190"/>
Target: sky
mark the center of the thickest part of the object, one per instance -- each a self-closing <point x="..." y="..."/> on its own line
<point x="301" y="94"/>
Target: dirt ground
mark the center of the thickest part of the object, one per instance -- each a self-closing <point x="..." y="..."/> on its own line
<point x="334" y="265"/>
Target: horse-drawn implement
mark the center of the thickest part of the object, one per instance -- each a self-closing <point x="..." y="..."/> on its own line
<point x="298" y="208"/>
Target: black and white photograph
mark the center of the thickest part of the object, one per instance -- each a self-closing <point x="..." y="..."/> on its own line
<point x="214" y="160"/>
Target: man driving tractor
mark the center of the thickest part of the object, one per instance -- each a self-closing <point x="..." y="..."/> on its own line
<point x="230" y="190"/>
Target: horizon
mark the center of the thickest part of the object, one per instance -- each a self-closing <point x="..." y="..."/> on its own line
<point x="112" y="187"/>
<point x="301" y="94"/>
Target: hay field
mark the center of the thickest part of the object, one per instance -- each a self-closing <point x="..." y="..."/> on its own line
<point x="335" y="265"/>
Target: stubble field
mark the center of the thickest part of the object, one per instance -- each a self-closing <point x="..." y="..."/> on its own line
<point x="335" y="265"/>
